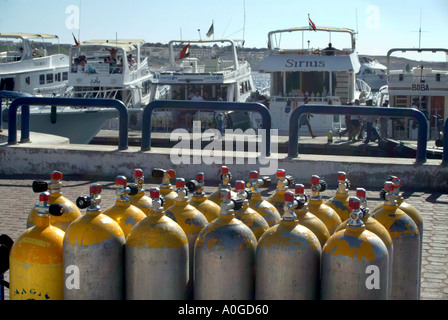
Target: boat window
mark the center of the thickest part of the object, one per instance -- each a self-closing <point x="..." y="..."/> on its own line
<point x="49" y="78"/>
<point x="27" y="80"/>
<point x="42" y="79"/>
<point x="64" y="76"/>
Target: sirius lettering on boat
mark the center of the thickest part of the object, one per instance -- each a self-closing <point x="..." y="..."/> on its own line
<point x="291" y="63"/>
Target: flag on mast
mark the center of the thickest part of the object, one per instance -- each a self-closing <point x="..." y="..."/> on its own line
<point x="185" y="52"/>
<point x="76" y="41"/>
<point x="312" y="25"/>
<point x="210" y="31"/>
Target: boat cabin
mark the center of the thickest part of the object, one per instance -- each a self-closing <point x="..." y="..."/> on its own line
<point x="423" y="86"/>
<point x="196" y="66"/>
<point x="32" y="63"/>
<point x="319" y="73"/>
<point x="110" y="69"/>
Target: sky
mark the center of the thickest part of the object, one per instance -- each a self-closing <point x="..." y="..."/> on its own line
<point x="381" y="24"/>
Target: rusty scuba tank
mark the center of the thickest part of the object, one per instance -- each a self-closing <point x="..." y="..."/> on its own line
<point x="372" y="225"/>
<point x="247" y="215"/>
<point x="224" y="256"/>
<point x="355" y="262"/>
<point x="126" y="214"/>
<point x="288" y="260"/>
<point x="56" y="197"/>
<point x="406" y="243"/>
<point x="407" y="208"/>
<point x="140" y="200"/>
<point x="36" y="259"/>
<point x="278" y="197"/>
<point x="156" y="255"/>
<point x="94" y="253"/>
<point x="166" y="189"/>
<point x="199" y="199"/>
<point x="256" y="202"/>
<point x="339" y="202"/>
<point x="190" y="219"/>
<point x="316" y="206"/>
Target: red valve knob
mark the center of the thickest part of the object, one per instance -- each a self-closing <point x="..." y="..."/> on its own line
<point x="239" y="185"/>
<point x="299" y="189"/>
<point x="353" y="203"/>
<point x="154" y="193"/>
<point x="200" y="176"/>
<point x="121" y="181"/>
<point x="56" y="175"/>
<point x="389" y="186"/>
<point x="180" y="183"/>
<point x="44" y="196"/>
<point x="361" y="192"/>
<point x="289" y="196"/>
<point x="397" y="182"/>
<point x="95" y="189"/>
<point x="341" y="176"/>
<point x="171" y="173"/>
<point x="253" y="175"/>
<point x="315" y="179"/>
<point x="138" y="173"/>
<point x="224" y="170"/>
<point x="281" y="173"/>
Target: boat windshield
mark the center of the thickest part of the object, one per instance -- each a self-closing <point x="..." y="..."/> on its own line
<point x="100" y="59"/>
<point x="17" y="47"/>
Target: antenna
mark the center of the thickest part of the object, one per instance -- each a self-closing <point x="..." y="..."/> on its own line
<point x="244" y="20"/>
<point x="356" y="15"/>
<point x="420" y="31"/>
<point x="79" y="22"/>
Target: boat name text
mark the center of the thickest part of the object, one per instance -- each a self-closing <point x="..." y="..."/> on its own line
<point x="420" y="87"/>
<point x="291" y="63"/>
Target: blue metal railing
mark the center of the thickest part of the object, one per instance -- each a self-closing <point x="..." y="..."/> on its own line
<point x="204" y="105"/>
<point x="367" y="111"/>
<point x="445" y="143"/>
<point x="4" y="94"/>
<point x="69" y="102"/>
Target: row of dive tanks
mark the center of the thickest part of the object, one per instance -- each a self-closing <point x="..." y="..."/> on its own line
<point x="231" y="244"/>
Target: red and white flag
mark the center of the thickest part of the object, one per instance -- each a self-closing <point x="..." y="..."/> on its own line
<point x="312" y="25"/>
<point x="185" y="52"/>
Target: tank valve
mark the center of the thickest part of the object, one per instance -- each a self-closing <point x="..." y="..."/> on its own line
<point x="157" y="201"/>
<point x="93" y="201"/>
<point x="228" y="205"/>
<point x="356" y="213"/>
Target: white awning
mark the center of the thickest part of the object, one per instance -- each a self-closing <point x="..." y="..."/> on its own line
<point x="297" y="62"/>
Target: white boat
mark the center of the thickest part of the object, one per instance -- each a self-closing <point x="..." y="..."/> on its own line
<point x="94" y="79"/>
<point x="419" y="87"/>
<point x="30" y="65"/>
<point x="112" y="69"/>
<point x="326" y="75"/>
<point x="372" y="72"/>
<point x="196" y="66"/>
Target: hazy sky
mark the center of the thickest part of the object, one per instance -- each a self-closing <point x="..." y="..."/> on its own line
<point x="381" y="24"/>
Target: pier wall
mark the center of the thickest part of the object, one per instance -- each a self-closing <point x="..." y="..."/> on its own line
<point x="106" y="162"/>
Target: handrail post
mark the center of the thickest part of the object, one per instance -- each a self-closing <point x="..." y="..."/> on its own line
<point x="445" y="143"/>
<point x="71" y="102"/>
<point x="372" y="111"/>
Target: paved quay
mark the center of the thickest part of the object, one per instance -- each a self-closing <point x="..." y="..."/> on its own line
<point x="18" y="198"/>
